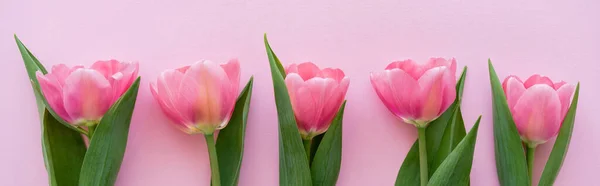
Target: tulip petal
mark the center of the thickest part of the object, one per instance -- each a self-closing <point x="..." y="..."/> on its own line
<point x="333" y="101"/>
<point x="52" y="90"/>
<point x="538" y="79"/>
<point x="87" y="95"/>
<point x="120" y="74"/>
<point x="207" y="88"/>
<point x="438" y="62"/>
<point x="232" y="69"/>
<point x="166" y="92"/>
<point x="537" y="114"/>
<point x="513" y="89"/>
<point x="122" y="80"/>
<point x="107" y="68"/>
<point x="565" y="93"/>
<point x="398" y="91"/>
<point x="559" y="84"/>
<point x="431" y="95"/>
<point x="308" y="70"/>
<point x="183" y="69"/>
<point x="449" y="89"/>
<point x="334" y="73"/>
<point x="302" y="101"/>
<point x="322" y="89"/>
<point x="409" y="66"/>
<point x="60" y="73"/>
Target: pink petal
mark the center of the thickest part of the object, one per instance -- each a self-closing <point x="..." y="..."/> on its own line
<point x="320" y="91"/>
<point x="398" y="92"/>
<point x="119" y="74"/>
<point x="409" y="66"/>
<point x="438" y="62"/>
<point x="232" y="69"/>
<point x="308" y="70"/>
<point x="167" y="92"/>
<point x="302" y="101"/>
<point x="123" y="79"/>
<point x="431" y="95"/>
<point x="559" y="84"/>
<point x="209" y="90"/>
<point x="107" y="68"/>
<point x="334" y="73"/>
<point x="183" y="69"/>
<point x="538" y="79"/>
<point x="87" y="95"/>
<point x="292" y="68"/>
<point x="332" y="104"/>
<point x="60" y="72"/>
<point x="449" y="90"/>
<point x="537" y="114"/>
<point x="52" y="91"/>
<point x="513" y="89"/>
<point x="565" y="94"/>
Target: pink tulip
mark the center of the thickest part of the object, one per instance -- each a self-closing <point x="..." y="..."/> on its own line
<point x="316" y="96"/>
<point x="199" y="98"/>
<point x="81" y="96"/>
<point x="538" y="106"/>
<point x="418" y="94"/>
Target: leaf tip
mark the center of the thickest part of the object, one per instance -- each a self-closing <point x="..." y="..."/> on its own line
<point x="265" y="38"/>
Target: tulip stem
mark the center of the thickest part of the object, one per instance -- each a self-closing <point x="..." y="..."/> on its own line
<point x="307" y="146"/>
<point x="530" y="157"/>
<point x="214" y="162"/>
<point x="423" y="156"/>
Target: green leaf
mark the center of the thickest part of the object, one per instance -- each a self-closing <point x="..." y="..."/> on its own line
<point x="511" y="165"/>
<point x="33" y="65"/>
<point x="64" y="150"/>
<point x="455" y="130"/>
<point x="293" y="164"/>
<point x="456" y="168"/>
<point x="60" y="145"/>
<point x="454" y="133"/>
<point x="230" y="142"/>
<point x="326" y="164"/>
<point x="409" y="174"/>
<point x="316" y="141"/>
<point x="561" y="145"/>
<point x="107" y="146"/>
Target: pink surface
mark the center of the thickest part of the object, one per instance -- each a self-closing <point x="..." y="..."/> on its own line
<point x="557" y="39"/>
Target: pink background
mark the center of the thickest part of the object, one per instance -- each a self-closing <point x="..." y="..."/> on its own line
<point x="554" y="38"/>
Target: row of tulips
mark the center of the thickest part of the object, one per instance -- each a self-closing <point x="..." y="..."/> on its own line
<point x="96" y="104"/>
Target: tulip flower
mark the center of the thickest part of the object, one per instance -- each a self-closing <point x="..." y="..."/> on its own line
<point x="316" y="96"/>
<point x="538" y="107"/>
<point x="81" y="96"/>
<point x="200" y="99"/>
<point x="417" y="94"/>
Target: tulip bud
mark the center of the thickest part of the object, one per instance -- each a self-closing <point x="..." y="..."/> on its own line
<point x="538" y="106"/>
<point x="81" y="96"/>
<point x="316" y="96"/>
<point x="417" y="94"/>
<point x="199" y="98"/>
